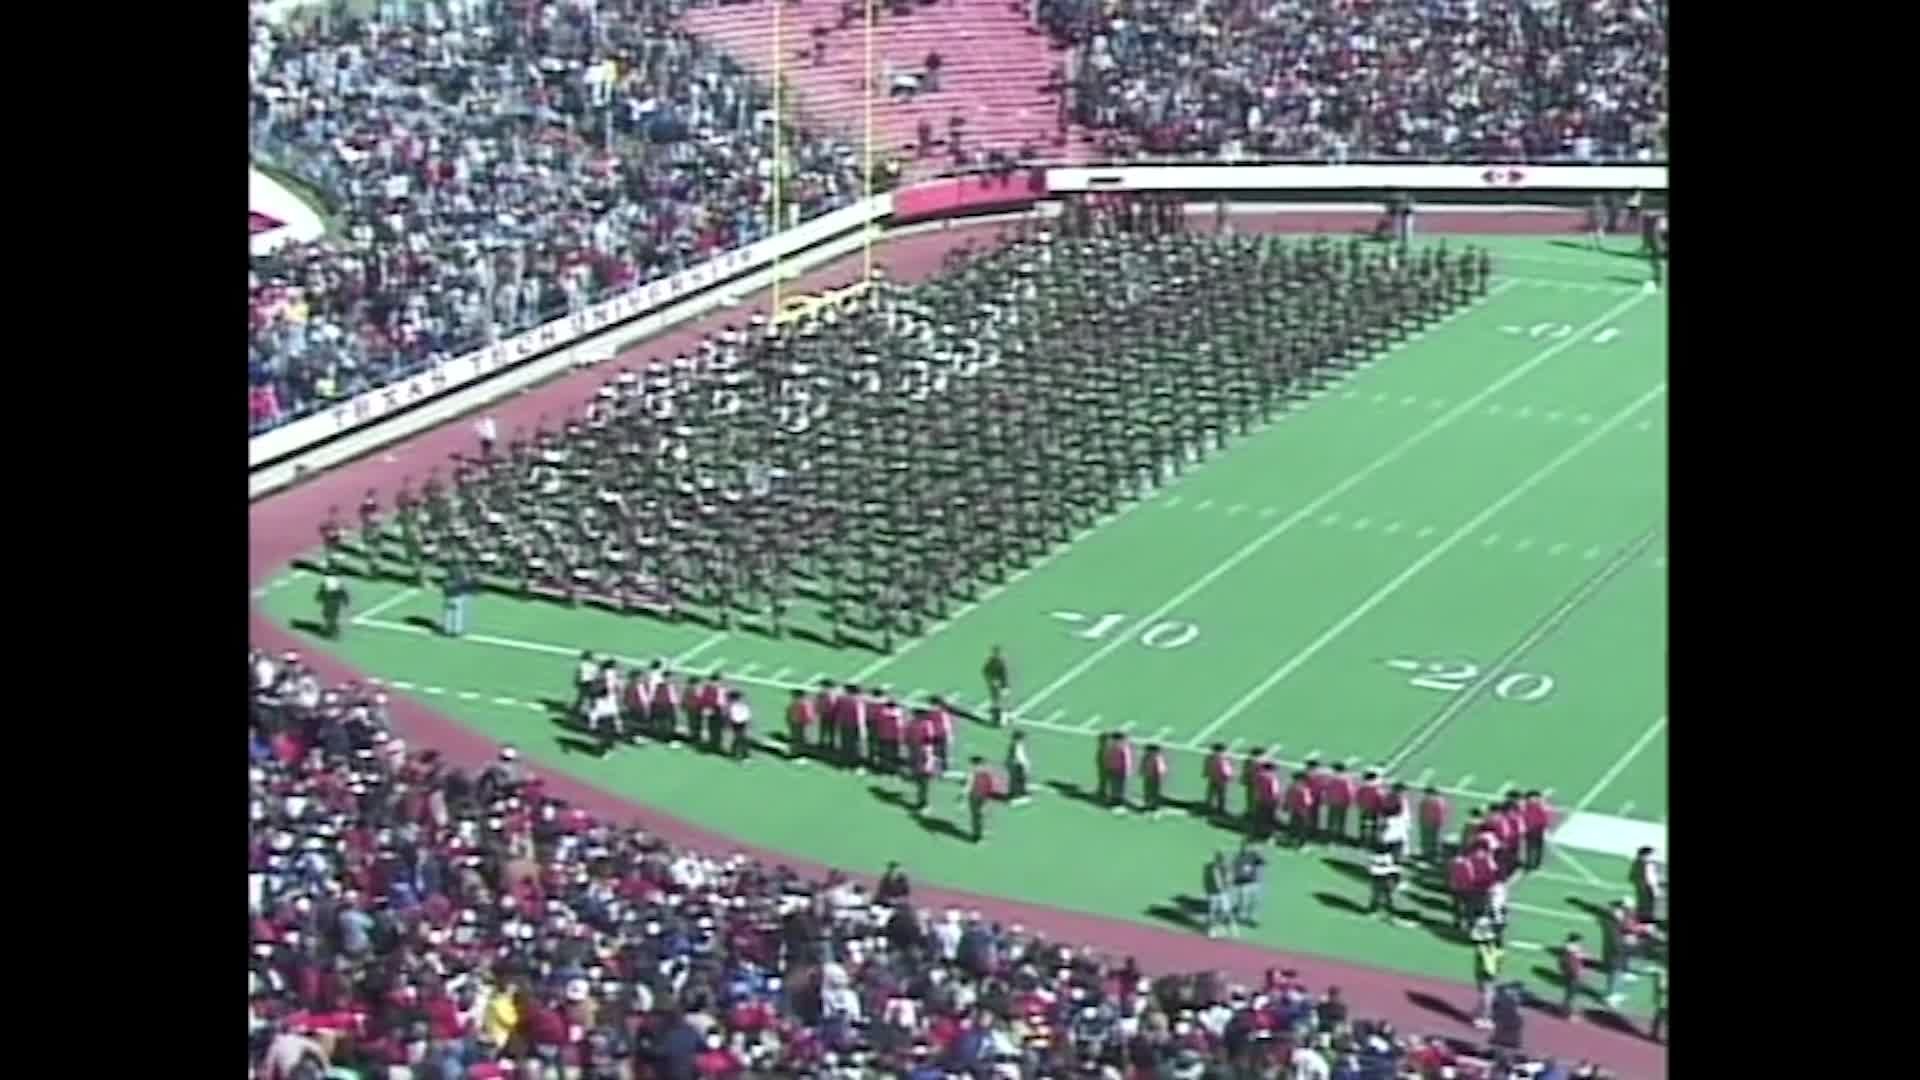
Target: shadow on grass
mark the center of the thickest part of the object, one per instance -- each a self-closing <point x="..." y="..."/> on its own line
<point x="933" y="825"/>
<point x="1187" y="912"/>
<point x="1068" y="789"/>
<point x="1582" y="245"/>
<point x="423" y="622"/>
<point x="309" y="626"/>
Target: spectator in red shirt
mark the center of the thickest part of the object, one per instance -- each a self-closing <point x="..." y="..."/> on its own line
<point x="1338" y="794"/>
<point x="1433" y="823"/>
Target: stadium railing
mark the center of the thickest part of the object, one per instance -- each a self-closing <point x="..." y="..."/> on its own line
<point x="368" y="421"/>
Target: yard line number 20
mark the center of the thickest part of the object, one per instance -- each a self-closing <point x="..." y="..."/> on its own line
<point x="1457" y="676"/>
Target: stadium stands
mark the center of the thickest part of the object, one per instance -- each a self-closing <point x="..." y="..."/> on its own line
<point x="408" y="919"/>
<point x="488" y="171"/>
<point x="493" y="163"/>
<point x="1508" y="80"/>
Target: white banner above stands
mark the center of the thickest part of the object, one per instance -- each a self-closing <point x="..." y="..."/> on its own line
<point x="1360" y="177"/>
<point x="371" y="407"/>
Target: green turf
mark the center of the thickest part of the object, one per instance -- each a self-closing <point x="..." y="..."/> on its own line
<point x="1263" y="597"/>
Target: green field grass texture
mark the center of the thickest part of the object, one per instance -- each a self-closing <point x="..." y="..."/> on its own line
<point x="1453" y="561"/>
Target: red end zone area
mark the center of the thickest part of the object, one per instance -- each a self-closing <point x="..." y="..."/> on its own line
<point x="285" y="524"/>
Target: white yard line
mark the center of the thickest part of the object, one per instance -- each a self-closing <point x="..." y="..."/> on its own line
<point x="710" y="642"/>
<point x="368" y="616"/>
<point x="1580" y="868"/>
<point x="1381" y="594"/>
<point x="1286" y="524"/>
<point x="883" y="662"/>
<point x="1653" y="731"/>
<point x="1459" y="703"/>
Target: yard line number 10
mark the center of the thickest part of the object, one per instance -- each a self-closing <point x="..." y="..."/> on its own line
<point x="1165" y="634"/>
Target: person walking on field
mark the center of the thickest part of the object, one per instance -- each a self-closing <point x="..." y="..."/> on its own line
<point x="998" y="679"/>
<point x="1645" y="876"/>
<point x="1249" y="881"/>
<point x="1019" y="768"/>
<point x="980" y="791"/>
<point x="1216" y="879"/>
<point x="1433" y="824"/>
<point x="1486" y="972"/>
<point x="333" y="598"/>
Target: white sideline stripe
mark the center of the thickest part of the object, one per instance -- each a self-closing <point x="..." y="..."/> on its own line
<point x="1381" y="594"/>
<point x="710" y="642"/>
<point x="1286" y="524"/>
<point x="1620" y="766"/>
<point x="388" y="604"/>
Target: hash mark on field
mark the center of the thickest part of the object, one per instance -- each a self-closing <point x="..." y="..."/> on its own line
<point x="1425" y="531"/>
<point x="534" y="705"/>
<point x="816" y="678"/>
<point x="1489" y="540"/>
<point x="1268" y="511"/>
<point x="401" y="684"/>
<point x="1330" y="519"/>
<point x="1524" y="545"/>
<point x="1660" y="562"/>
<point x="716" y="664"/>
<point x="1379" y="399"/>
<point x="746" y="668"/>
<point x="1591" y="553"/>
<point x="1583" y="419"/>
<point x="1236" y="508"/>
<point x="781" y="675"/>
<point x="1126" y="725"/>
<point x="1425" y="777"/>
<point x="1172" y="501"/>
<point x="1234" y="744"/>
<point x="1626" y="808"/>
<point x="1554" y="416"/>
<point x="1524" y="412"/>
<point x="1409" y="400"/>
<point x="1493" y="409"/>
<point x="1556" y="549"/>
<point x="1163" y="734"/>
<point x="1056" y="716"/>
<point x="1205" y="504"/>
<point x="506" y="701"/>
<point x="1362" y="524"/>
<point x="433" y="689"/>
<point x="1436" y="404"/>
<point x="468" y="695"/>
<point x="1645" y="425"/>
<point x="1351" y="393"/>
<point x="1392" y="527"/>
<point x="1406" y="665"/>
<point x="1465" y="782"/>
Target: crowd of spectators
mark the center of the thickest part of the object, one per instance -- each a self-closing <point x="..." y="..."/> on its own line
<point x="410" y="920"/>
<point x="1429" y="79"/>
<point x="491" y="164"/>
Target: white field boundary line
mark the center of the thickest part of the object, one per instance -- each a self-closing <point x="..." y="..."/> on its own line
<point x="712" y="640"/>
<point x="1471" y="526"/>
<point x="1646" y="738"/>
<point x="367" y="617"/>
<point x="866" y="674"/>
<point x="571" y="652"/>
<point x="1459" y="703"/>
<point x="1286" y="524"/>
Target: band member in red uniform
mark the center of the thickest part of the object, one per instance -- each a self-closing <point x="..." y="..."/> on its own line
<point x="1266" y="801"/>
<point x="1460" y="874"/>
<point x="853" y="727"/>
<point x="1317" y="776"/>
<point x="925" y="767"/>
<point x="1486" y="867"/>
<point x="1300" y="809"/>
<point x="826" y="706"/>
<point x="800" y="718"/>
<point x="1119" y="770"/>
<point x="1433" y="822"/>
<point x="1218" y="773"/>
<point x="1250" y="767"/>
<point x="636" y="702"/>
<point x="887" y="724"/>
<point x="1338" y="793"/>
<point x="980" y="792"/>
<point x="1371" y="798"/>
<point x="713" y="707"/>
<point x="1153" y="778"/>
<point x="1536" y="817"/>
<point x="690" y="697"/>
<point x="1508" y="827"/>
<point x="664" y="707"/>
<point x="940" y="733"/>
<point x="334" y="536"/>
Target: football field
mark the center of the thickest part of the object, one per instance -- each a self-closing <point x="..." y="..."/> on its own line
<point x="1451" y="565"/>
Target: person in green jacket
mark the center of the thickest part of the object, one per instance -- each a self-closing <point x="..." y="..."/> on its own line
<point x="1487" y="956"/>
<point x="333" y="598"/>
